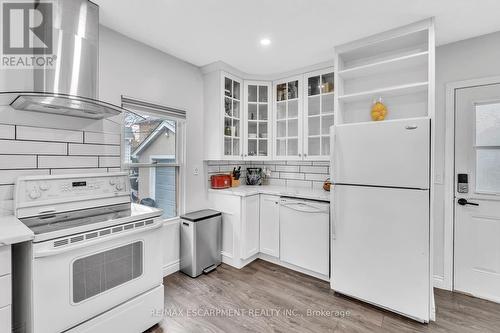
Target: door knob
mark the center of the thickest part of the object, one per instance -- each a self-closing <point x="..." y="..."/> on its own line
<point x="463" y="202"/>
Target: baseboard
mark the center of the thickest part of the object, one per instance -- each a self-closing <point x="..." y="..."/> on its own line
<point x="439" y="282"/>
<point x="171" y="268"/>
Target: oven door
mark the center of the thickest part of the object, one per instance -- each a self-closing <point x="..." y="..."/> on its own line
<point x="82" y="276"/>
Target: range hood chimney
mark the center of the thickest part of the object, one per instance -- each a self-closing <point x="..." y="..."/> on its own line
<point x="70" y="85"/>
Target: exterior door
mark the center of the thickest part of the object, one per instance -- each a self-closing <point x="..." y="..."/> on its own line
<point x="477" y="191"/>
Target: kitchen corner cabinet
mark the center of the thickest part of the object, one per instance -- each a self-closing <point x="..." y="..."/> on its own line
<point x="257" y="111"/>
<point x="269" y="225"/>
<point x="287" y="120"/>
<point x="318" y="113"/>
<point x="240" y="227"/>
<point x="223" y="116"/>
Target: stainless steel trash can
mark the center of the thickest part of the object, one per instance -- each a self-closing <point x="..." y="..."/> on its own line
<point x="201" y="241"/>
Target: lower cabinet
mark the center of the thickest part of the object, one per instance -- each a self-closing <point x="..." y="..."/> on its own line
<point x="5" y="289"/>
<point x="270" y="225"/>
<point x="251" y="229"/>
<point x="240" y="227"/>
<point x="250" y="226"/>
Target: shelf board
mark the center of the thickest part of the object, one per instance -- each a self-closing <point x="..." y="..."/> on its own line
<point x="386" y="66"/>
<point x="404" y="89"/>
<point x="375" y="123"/>
<point x="321" y="94"/>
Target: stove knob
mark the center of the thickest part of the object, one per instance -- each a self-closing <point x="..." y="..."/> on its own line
<point x="34" y="194"/>
<point x="112" y="182"/>
<point x="119" y="186"/>
<point x="44" y="186"/>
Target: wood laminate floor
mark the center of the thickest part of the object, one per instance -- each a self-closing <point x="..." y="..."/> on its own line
<point x="263" y="297"/>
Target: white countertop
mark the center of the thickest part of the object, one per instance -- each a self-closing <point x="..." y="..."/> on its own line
<point x="13" y="231"/>
<point x="296" y="192"/>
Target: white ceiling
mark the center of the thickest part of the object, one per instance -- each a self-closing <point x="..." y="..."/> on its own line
<point x="303" y="32"/>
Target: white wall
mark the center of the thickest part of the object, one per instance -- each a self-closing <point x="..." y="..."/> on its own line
<point x="133" y="69"/>
<point x="469" y="59"/>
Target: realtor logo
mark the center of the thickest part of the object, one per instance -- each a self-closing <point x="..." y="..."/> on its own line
<point x="27" y="34"/>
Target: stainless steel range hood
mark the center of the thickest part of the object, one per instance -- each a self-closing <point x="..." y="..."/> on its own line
<point x="70" y="85"/>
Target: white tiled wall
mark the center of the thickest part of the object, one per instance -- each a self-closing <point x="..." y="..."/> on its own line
<point x="55" y="145"/>
<point x="290" y="173"/>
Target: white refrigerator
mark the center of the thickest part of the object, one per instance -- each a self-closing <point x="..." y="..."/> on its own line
<point x="380" y="214"/>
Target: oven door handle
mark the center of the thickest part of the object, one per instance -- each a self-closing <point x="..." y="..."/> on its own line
<point x="83" y="244"/>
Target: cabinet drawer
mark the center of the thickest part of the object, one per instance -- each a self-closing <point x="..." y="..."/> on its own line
<point x="5" y="320"/>
<point x="5" y="290"/>
<point x="4" y="260"/>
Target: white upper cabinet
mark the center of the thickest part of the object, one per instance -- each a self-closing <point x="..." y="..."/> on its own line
<point x="232" y="116"/>
<point x="257" y="123"/>
<point x="223" y="94"/>
<point x="318" y="113"/>
<point x="287" y="118"/>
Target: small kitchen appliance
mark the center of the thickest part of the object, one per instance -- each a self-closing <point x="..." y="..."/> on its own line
<point x="254" y="176"/>
<point x="220" y="181"/>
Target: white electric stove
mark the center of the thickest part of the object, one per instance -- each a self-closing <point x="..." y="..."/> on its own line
<point x="95" y="262"/>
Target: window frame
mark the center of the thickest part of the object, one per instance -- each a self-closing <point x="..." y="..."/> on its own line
<point x="180" y="154"/>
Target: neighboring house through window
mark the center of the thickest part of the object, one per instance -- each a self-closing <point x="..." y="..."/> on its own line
<point x="153" y="153"/>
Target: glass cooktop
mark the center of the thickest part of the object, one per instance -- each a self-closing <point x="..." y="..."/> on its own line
<point x="59" y="221"/>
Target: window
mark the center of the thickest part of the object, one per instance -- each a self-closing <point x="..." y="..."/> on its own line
<point x="153" y="154"/>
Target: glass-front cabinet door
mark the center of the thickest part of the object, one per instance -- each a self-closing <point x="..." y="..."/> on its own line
<point x="257" y="142"/>
<point x="287" y="120"/>
<point x="232" y="88"/>
<point x="318" y="113"/>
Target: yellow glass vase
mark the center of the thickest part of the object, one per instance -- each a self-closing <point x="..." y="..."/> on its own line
<point x="379" y="110"/>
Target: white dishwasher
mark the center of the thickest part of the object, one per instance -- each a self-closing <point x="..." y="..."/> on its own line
<point x="305" y="234"/>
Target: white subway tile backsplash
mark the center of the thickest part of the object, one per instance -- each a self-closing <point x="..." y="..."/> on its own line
<point x="291" y="175"/>
<point x="17" y="162"/>
<point x="39" y="144"/>
<point x="299" y="163"/>
<point x="77" y="171"/>
<point x="48" y="134"/>
<point x="323" y="163"/>
<point x="298" y="183"/>
<point x="7" y="131"/>
<point x="102" y="138"/>
<point x="109" y="161"/>
<point x="317" y="185"/>
<point x="277" y="182"/>
<point x="212" y="168"/>
<point x="61" y="162"/>
<point x="316" y="176"/>
<point x="314" y="169"/>
<point x="287" y="168"/>
<point x="307" y="174"/>
<point x="9" y="176"/>
<point x="6" y="207"/>
<point x="32" y="147"/>
<point x="93" y="149"/>
<point x="6" y="192"/>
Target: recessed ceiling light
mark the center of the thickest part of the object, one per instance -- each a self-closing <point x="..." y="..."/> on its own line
<point x="265" y="41"/>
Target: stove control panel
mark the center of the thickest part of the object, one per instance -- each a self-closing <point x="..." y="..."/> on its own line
<point x="65" y="188"/>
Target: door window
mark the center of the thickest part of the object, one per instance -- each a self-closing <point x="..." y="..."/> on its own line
<point x="488" y="147"/>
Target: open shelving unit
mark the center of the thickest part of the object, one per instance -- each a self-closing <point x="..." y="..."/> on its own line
<point x="396" y="66"/>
